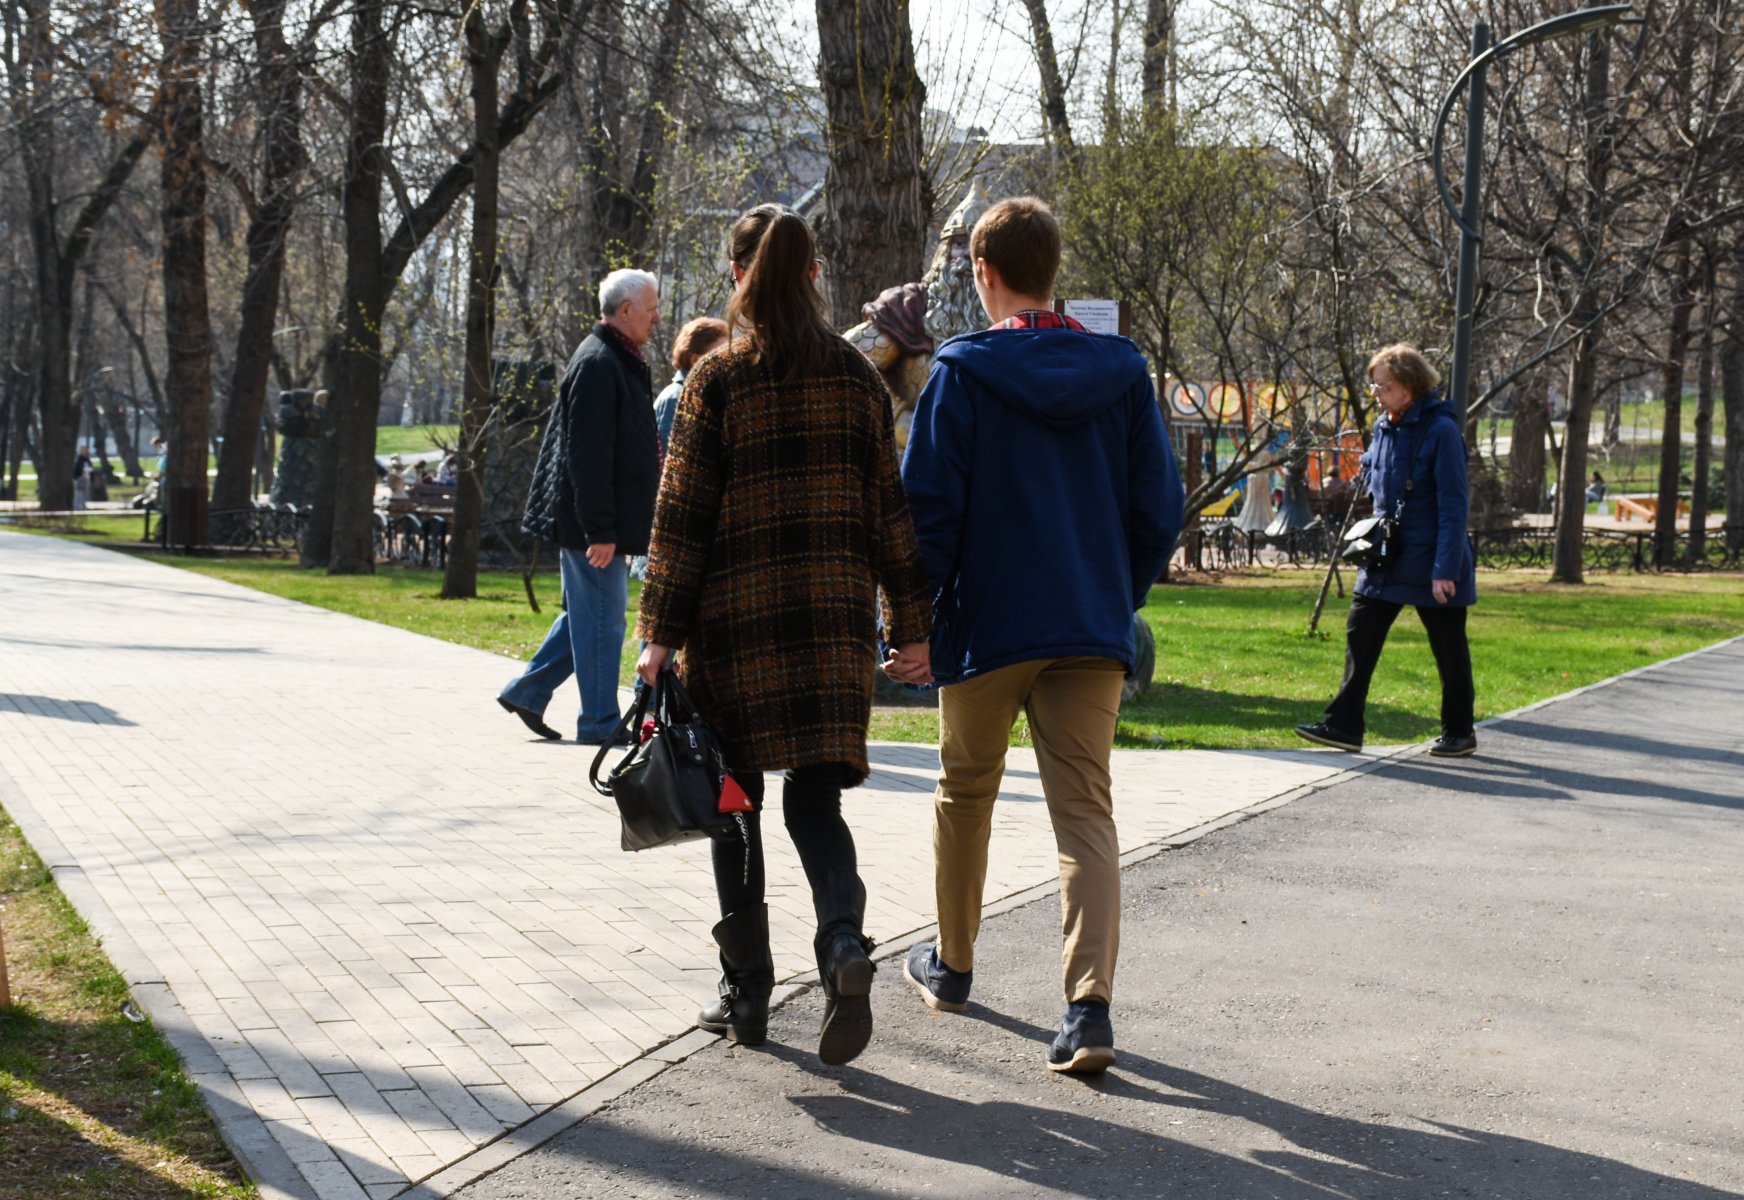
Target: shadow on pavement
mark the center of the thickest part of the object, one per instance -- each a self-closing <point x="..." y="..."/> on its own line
<point x="1624" y="743"/>
<point x="1060" y="1149"/>
<point x="1492" y="776"/>
<point x="85" y="712"/>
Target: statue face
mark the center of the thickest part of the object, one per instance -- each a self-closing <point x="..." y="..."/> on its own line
<point x="953" y="305"/>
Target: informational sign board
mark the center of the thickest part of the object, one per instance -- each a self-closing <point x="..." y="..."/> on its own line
<point x="1098" y="316"/>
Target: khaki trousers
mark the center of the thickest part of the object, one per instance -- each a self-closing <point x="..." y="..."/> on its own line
<point x="1072" y="705"/>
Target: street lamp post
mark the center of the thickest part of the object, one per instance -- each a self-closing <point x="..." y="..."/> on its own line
<point x="1468" y="214"/>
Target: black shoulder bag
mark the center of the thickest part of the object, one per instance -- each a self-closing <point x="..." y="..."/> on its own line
<point x="672" y="786"/>
<point x="1373" y="542"/>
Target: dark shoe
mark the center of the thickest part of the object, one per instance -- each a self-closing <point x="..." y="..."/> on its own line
<point x="847" y="975"/>
<point x="845" y="967"/>
<point x="1327" y="736"/>
<point x="1454" y="747"/>
<point x="532" y="720"/>
<point x="747" y="978"/>
<point x="941" y="987"/>
<point x="1085" y="1043"/>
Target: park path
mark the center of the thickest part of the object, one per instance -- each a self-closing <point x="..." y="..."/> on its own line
<point x="381" y="925"/>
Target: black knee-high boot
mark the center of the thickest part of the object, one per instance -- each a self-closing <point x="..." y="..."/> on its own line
<point x="844" y="965"/>
<point x="747" y="978"/>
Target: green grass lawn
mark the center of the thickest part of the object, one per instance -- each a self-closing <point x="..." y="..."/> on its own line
<point x="92" y="1105"/>
<point x="99" y="528"/>
<point x="1235" y="666"/>
<point x="414" y="439"/>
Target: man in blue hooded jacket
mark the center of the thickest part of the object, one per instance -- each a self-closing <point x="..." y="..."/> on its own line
<point x="1046" y="500"/>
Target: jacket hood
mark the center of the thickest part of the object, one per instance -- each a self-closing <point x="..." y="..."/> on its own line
<point x="1427" y="409"/>
<point x="1056" y="376"/>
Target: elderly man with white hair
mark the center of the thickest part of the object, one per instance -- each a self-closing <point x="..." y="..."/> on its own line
<point x="593" y="494"/>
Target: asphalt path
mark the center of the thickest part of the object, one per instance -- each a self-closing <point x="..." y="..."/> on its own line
<point x="1515" y="975"/>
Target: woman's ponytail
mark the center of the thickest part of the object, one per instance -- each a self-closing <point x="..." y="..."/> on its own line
<point x="777" y="301"/>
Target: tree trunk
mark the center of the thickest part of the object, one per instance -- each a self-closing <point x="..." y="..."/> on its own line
<point x="484" y="51"/>
<point x="1571" y="494"/>
<point x="187" y="317"/>
<point x="876" y="230"/>
<point x="1526" y="457"/>
<point x="115" y="417"/>
<point x="1683" y="304"/>
<point x="357" y="398"/>
<point x="1157" y="81"/>
<point x="1704" y="455"/>
<point x="1732" y="399"/>
<point x="22" y="409"/>
<point x="280" y="108"/>
<point x="1053" y="86"/>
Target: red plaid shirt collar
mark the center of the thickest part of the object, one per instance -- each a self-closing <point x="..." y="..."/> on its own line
<point x="1038" y="318"/>
<point x="610" y="333"/>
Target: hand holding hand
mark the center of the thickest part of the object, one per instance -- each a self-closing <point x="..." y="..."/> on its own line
<point x="653" y="658"/>
<point x="911" y="662"/>
<point x="1443" y="590"/>
<point x="600" y="554"/>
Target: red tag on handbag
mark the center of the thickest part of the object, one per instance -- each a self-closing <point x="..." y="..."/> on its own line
<point x="733" y="798"/>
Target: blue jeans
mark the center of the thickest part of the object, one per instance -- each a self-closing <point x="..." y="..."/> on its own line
<point x="587" y="641"/>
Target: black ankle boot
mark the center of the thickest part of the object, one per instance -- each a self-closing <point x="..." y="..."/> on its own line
<point x="747" y="978"/>
<point x="845" y="966"/>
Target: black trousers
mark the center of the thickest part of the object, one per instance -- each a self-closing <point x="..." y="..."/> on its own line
<point x="1365" y="634"/>
<point x="811" y="806"/>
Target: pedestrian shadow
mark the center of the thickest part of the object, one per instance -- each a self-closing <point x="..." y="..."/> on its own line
<point x="85" y="712"/>
<point x="1628" y="743"/>
<point x="1492" y="775"/>
<point x="1064" y="1149"/>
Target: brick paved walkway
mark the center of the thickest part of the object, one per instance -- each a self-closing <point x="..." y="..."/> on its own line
<point x="380" y="924"/>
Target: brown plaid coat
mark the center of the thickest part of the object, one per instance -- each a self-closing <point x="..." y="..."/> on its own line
<point x="780" y="515"/>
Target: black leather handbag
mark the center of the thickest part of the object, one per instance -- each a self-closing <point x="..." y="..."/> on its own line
<point x="669" y="786"/>
<point x="1371" y="542"/>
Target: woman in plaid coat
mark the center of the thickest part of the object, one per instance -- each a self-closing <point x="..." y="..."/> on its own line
<point x="780" y="517"/>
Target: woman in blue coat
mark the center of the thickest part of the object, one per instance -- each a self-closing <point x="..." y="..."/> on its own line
<point x="1417" y="454"/>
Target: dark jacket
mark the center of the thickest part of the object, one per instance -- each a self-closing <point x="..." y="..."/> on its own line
<point x="1045" y="496"/>
<point x="1433" y="540"/>
<point x="781" y="518"/>
<point x="599" y="460"/>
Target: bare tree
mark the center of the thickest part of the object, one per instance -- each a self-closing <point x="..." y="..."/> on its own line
<point x="41" y="103"/>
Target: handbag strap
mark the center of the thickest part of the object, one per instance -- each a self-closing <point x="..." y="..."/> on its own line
<point x="1413" y="442"/>
<point x="674" y="697"/>
<point x="632" y="724"/>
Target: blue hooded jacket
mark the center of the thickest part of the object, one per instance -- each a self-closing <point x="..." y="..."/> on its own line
<point x="1432" y="534"/>
<point x="1044" y="494"/>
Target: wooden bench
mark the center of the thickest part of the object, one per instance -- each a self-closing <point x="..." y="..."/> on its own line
<point x="1645" y="507"/>
<point x="422" y="498"/>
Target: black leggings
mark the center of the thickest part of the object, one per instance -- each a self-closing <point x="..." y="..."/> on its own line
<point x="1365" y="634"/>
<point x="811" y="805"/>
